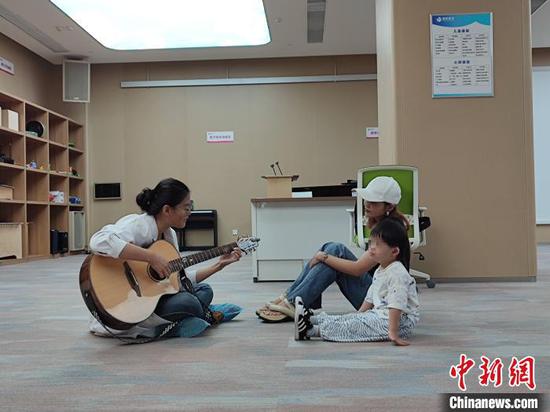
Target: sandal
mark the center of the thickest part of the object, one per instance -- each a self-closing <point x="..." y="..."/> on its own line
<point x="275" y="301"/>
<point x="272" y="316"/>
<point x="287" y="308"/>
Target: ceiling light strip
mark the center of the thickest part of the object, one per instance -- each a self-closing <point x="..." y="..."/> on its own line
<point x="246" y="81"/>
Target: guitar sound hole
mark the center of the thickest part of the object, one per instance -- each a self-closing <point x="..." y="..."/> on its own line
<point x="153" y="274"/>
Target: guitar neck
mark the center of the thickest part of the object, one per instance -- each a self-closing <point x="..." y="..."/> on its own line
<point x="190" y="260"/>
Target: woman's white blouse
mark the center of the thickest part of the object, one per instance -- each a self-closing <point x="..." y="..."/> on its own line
<point x="140" y="230"/>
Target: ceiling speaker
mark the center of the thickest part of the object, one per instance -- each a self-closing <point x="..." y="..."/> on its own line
<point x="76" y="81"/>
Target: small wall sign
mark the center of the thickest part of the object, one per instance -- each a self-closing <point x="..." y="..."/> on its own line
<point x="220" y="137"/>
<point x="372" y="132"/>
<point x="7" y="66"/>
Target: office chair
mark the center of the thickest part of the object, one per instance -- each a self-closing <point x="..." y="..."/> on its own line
<point x="407" y="178"/>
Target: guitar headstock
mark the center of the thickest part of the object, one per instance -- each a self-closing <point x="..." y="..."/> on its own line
<point x="248" y="244"/>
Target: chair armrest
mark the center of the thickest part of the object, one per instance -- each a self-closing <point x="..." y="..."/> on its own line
<point x="424" y="222"/>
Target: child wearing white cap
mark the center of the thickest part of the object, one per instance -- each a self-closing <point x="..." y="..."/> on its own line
<point x="336" y="263"/>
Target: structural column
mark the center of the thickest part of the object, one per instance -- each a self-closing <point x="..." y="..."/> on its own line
<point x="474" y="154"/>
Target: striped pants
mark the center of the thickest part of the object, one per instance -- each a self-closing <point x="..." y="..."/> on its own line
<point x="360" y="327"/>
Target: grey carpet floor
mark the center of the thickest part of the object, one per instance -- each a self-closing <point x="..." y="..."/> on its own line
<point x="49" y="361"/>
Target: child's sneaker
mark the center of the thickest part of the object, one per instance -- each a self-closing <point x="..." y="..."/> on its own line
<point x="301" y="320"/>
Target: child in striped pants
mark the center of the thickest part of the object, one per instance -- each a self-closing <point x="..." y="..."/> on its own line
<point x="390" y="310"/>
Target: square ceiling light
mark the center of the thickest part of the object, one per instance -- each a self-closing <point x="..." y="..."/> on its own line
<point x="170" y="24"/>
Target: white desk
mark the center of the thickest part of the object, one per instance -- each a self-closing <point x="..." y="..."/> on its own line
<point x="291" y="230"/>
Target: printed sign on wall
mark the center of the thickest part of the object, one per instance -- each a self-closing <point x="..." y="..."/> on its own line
<point x="372" y="133"/>
<point x="220" y="137"/>
<point x="7" y="66"/>
<point x="462" y="55"/>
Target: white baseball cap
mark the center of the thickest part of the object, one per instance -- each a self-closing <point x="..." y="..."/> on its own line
<point x="381" y="189"/>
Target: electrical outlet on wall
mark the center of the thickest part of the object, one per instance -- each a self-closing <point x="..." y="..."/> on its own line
<point x="235" y="232"/>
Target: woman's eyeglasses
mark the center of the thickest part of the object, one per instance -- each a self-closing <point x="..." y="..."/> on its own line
<point x="185" y="208"/>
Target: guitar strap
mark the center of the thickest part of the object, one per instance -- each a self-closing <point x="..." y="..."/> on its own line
<point x="134" y="341"/>
<point x="188" y="286"/>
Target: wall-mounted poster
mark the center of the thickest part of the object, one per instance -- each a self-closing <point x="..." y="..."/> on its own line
<point x="462" y="55"/>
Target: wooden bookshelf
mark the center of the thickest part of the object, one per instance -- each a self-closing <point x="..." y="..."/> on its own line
<point x="52" y="161"/>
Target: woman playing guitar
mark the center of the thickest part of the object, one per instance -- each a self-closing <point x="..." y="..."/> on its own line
<point x="167" y="205"/>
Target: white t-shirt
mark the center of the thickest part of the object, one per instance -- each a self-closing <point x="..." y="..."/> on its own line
<point x="140" y="230"/>
<point x="393" y="288"/>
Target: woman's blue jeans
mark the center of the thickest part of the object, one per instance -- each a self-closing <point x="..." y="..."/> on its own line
<point x="312" y="282"/>
<point x="184" y="304"/>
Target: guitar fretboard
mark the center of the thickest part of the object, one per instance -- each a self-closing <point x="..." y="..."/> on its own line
<point x="178" y="264"/>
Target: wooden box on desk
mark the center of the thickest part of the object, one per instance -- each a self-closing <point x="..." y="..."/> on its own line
<point x="280" y="186"/>
<point x="11" y="240"/>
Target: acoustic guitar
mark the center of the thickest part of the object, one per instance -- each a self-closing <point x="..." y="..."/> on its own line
<point x="122" y="293"/>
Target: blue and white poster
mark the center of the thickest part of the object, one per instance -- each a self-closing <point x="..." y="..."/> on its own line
<point x="462" y="55"/>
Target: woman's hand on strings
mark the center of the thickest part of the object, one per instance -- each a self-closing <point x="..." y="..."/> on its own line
<point x="231" y="257"/>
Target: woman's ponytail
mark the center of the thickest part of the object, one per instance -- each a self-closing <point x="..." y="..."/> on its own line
<point x="144" y="199"/>
<point x="169" y="192"/>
